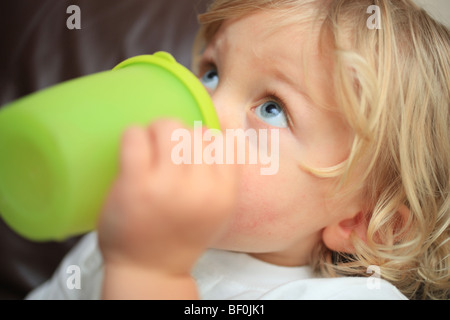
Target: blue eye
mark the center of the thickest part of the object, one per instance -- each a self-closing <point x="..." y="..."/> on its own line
<point x="210" y="79"/>
<point x="273" y="114"/>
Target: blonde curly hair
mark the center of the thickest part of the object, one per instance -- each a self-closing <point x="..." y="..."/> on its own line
<point x="392" y="83"/>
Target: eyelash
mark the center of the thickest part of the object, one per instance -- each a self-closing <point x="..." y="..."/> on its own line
<point x="269" y="95"/>
<point x="273" y="96"/>
<point x="205" y="65"/>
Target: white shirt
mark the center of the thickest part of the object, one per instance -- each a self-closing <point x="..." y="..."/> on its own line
<point x="220" y="275"/>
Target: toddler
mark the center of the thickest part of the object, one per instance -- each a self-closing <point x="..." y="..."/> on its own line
<point x="359" y="93"/>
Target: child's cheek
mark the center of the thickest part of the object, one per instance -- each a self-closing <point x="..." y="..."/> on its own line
<point x="262" y="205"/>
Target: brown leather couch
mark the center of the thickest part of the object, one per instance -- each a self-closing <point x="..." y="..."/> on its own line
<point x="39" y="50"/>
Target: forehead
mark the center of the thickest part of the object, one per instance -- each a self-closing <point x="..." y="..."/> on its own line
<point x="267" y="31"/>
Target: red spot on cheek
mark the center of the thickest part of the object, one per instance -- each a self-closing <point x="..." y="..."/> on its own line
<point x="250" y="223"/>
<point x="256" y="212"/>
<point x="263" y="222"/>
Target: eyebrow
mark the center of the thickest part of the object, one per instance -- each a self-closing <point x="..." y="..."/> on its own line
<point x="296" y="83"/>
<point x="279" y="74"/>
<point x="212" y="51"/>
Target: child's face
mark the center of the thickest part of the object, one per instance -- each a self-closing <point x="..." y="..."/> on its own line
<point x="280" y="217"/>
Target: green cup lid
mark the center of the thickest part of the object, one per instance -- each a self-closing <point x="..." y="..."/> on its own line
<point x="168" y="62"/>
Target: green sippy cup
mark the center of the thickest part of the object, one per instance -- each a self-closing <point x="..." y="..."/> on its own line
<point x="59" y="147"/>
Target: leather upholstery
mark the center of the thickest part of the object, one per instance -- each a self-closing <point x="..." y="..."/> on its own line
<point x="38" y="50"/>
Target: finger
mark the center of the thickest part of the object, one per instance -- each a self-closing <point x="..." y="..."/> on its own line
<point x="136" y="154"/>
<point x="163" y="132"/>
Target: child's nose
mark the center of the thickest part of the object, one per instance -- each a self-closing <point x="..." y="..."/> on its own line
<point x="227" y="116"/>
<point x="229" y="112"/>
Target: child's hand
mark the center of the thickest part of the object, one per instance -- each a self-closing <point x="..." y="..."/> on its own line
<point x="160" y="216"/>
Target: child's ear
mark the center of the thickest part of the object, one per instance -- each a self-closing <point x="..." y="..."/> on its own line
<point x="337" y="237"/>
